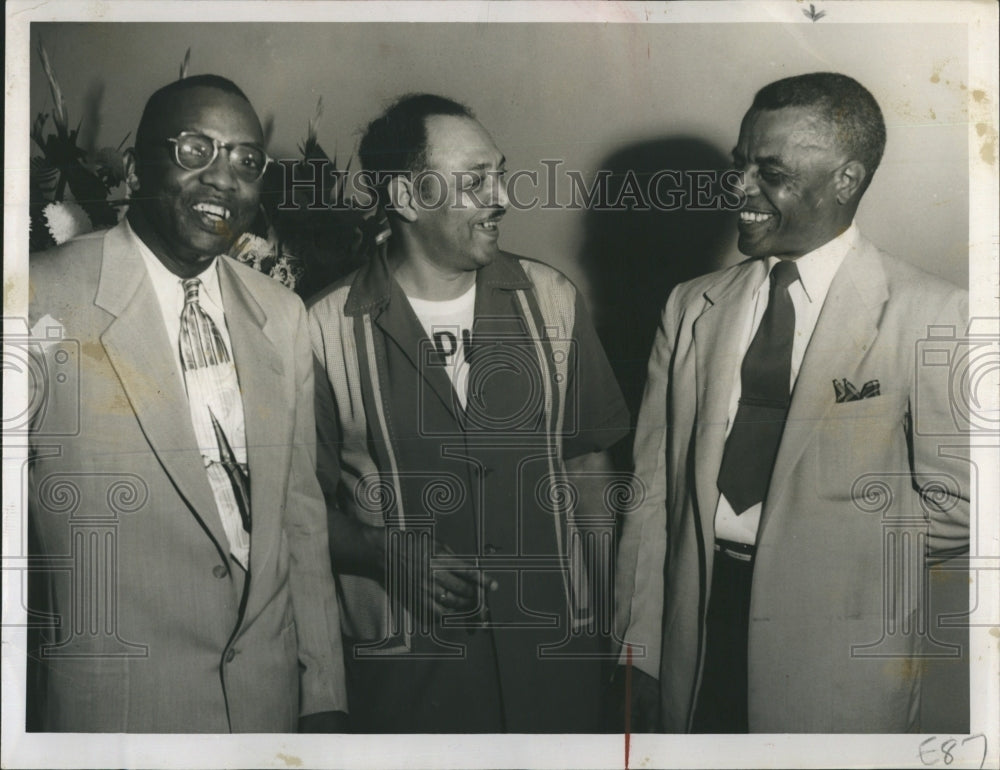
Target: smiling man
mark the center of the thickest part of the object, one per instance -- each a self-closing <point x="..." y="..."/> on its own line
<point x="185" y="437"/>
<point x="763" y="586"/>
<point x="465" y="400"/>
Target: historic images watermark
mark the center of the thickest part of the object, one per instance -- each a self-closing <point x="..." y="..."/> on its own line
<point x="963" y="363"/>
<point x="89" y="626"/>
<point x="587" y="563"/>
<point x="505" y="470"/>
<point x="551" y="187"/>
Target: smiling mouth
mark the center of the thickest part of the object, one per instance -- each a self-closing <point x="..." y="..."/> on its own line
<point x="491" y="225"/>
<point x="754" y="217"/>
<point x="212" y="212"/>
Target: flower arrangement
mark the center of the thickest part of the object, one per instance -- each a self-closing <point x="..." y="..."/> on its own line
<point x="303" y="246"/>
<point x="64" y="169"/>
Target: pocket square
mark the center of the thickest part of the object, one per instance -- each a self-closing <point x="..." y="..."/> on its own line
<point x="844" y="390"/>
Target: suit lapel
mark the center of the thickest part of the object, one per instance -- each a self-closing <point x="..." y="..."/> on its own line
<point x="138" y="348"/>
<point x="265" y="402"/>
<point x="716" y="335"/>
<point x="845" y="330"/>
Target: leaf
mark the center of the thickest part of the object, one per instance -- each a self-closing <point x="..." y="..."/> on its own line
<point x="108" y="165"/>
<point x="90" y="192"/>
<point x="185" y="64"/>
<point x="812" y="14"/>
<point x="59" y="112"/>
<point x="37" y="128"/>
<point x="313" y="131"/>
<point x="310" y="147"/>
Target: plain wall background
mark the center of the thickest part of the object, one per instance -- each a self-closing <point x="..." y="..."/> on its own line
<point x="576" y="92"/>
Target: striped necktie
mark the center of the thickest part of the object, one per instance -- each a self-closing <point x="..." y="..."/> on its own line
<point x="215" y="401"/>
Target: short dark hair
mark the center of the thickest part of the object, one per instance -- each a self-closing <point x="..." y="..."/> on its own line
<point x="852" y="112"/>
<point x="396" y="141"/>
<point x="154" y="105"/>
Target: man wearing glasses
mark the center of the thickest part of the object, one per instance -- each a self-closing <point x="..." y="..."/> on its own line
<point x="177" y="417"/>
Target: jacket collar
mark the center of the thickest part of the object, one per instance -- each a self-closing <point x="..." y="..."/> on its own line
<point x="373" y="285"/>
<point x="137" y="349"/>
<point x="847" y="325"/>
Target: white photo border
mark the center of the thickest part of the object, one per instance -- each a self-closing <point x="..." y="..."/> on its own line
<point x="29" y="750"/>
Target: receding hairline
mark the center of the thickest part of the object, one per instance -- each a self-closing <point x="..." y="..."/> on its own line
<point x="396" y="140"/>
<point x="158" y="105"/>
<point x="429" y="146"/>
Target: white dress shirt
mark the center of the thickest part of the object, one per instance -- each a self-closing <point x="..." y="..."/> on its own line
<point x="169" y="290"/>
<point x="816" y="271"/>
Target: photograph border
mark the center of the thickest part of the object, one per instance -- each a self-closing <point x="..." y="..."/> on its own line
<point x="24" y="750"/>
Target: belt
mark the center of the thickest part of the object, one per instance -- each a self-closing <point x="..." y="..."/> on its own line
<point x="740" y="551"/>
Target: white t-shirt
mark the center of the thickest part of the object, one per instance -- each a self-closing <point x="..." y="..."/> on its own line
<point x="448" y="324"/>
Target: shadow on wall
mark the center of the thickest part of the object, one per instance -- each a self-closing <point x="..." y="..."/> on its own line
<point x="633" y="255"/>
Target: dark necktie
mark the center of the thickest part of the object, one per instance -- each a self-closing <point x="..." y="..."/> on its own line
<point x="213" y="391"/>
<point x="765" y="375"/>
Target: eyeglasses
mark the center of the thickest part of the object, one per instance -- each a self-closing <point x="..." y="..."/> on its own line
<point x="194" y="152"/>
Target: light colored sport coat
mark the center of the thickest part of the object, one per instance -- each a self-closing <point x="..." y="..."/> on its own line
<point x="857" y="484"/>
<point x="151" y="633"/>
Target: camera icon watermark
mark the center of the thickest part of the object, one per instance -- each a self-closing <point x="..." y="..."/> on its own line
<point x="964" y="364"/>
<point x="50" y="362"/>
<point x="511" y="379"/>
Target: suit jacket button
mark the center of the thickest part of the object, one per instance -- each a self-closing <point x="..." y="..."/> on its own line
<point x="230" y="655"/>
<point x="220" y="571"/>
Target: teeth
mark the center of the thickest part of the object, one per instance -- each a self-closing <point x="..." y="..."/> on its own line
<point x="754" y="216"/>
<point x="212" y="209"/>
<point x="491" y="225"/>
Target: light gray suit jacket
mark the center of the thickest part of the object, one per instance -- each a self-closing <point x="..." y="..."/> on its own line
<point x="834" y="621"/>
<point x="151" y="633"/>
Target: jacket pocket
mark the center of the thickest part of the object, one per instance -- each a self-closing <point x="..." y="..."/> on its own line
<point x="860" y="442"/>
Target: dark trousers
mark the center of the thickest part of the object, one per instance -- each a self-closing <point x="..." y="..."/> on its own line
<point x="722" y="700"/>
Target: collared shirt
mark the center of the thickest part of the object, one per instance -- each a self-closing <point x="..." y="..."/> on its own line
<point x="816" y="271"/>
<point x="228" y="406"/>
<point x="169" y="290"/>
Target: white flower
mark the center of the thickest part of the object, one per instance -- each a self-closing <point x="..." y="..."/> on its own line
<point x="252" y="250"/>
<point x="66" y="220"/>
<point x="286" y="271"/>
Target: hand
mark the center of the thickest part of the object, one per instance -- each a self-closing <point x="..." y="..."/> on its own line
<point x="643" y="701"/>
<point x="324" y="722"/>
<point x="452" y="585"/>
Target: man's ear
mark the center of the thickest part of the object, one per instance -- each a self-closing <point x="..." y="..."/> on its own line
<point x="849" y="180"/>
<point x="401" y="198"/>
<point x="129" y="166"/>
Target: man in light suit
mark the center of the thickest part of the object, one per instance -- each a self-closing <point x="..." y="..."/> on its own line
<point x="798" y="454"/>
<point x="173" y="500"/>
